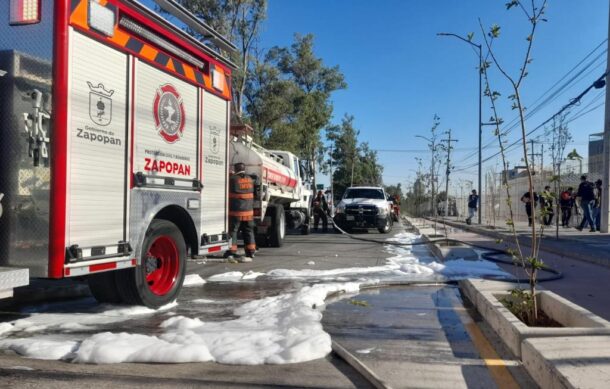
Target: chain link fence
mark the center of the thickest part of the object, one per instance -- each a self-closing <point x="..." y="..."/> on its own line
<point x="494" y="204"/>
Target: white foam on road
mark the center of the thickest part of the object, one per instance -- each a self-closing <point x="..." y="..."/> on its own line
<point x="61" y="322"/>
<point x="234" y="276"/>
<point x="40" y="348"/>
<point x="408" y="263"/>
<point x="193" y="280"/>
<point x="279" y="329"/>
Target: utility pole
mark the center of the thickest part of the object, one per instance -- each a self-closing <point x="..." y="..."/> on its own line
<point x="533" y="156"/>
<point x="606" y="177"/>
<point x="542" y="163"/>
<point x="448" y="140"/>
<point x="332" y="193"/>
<point x="542" y="181"/>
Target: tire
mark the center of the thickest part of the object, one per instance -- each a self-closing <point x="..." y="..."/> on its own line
<point x="278" y="226"/>
<point x="104" y="288"/>
<point x="261" y="240"/>
<point x="387" y="227"/>
<point x="306" y="229"/>
<point x="159" y="277"/>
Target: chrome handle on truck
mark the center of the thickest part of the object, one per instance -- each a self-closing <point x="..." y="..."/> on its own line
<point x="35" y="128"/>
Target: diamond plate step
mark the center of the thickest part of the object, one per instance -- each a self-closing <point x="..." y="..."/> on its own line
<point x="11" y="278"/>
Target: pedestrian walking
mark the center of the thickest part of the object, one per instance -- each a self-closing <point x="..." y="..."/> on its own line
<point x="547" y="200"/>
<point x="597" y="210"/>
<point x="473" y="203"/>
<point x="526" y="199"/>
<point x="241" y="212"/>
<point x="320" y="211"/>
<point x="586" y="193"/>
<point x="566" y="202"/>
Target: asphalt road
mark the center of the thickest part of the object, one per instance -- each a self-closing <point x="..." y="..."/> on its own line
<point x="411" y="336"/>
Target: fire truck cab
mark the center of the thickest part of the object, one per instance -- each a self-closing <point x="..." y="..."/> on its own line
<point x="114" y="145"/>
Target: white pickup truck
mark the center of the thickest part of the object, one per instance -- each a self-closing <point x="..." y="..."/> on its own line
<point x="364" y="207"/>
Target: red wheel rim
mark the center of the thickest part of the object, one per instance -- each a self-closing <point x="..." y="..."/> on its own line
<point x="162" y="265"/>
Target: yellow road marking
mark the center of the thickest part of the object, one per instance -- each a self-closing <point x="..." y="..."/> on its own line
<point x="495" y="364"/>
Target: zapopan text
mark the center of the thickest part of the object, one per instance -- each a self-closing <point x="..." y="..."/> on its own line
<point x="153" y="165"/>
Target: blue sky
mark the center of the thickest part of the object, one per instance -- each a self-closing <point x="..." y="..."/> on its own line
<point x="399" y="73"/>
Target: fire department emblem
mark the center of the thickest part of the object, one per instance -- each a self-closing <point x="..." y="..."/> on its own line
<point x="215" y="139"/>
<point x="100" y="104"/>
<point x="168" y="111"/>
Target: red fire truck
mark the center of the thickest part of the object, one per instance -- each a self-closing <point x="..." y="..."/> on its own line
<point x="114" y="145"/>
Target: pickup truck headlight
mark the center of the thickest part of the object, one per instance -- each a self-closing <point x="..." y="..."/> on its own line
<point x="340" y="208"/>
<point x="382" y="211"/>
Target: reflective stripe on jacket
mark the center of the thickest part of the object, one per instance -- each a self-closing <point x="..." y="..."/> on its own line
<point x="241" y="196"/>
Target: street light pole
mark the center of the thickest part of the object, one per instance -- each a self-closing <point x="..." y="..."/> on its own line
<point x="480" y="173"/>
<point x="480" y="133"/>
<point x="605" y="222"/>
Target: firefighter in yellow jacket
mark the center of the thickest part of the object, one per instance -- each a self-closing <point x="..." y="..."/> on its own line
<point x="241" y="214"/>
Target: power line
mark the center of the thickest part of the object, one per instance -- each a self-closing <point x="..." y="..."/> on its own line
<point x="419" y="151"/>
<point x="572" y="103"/>
<point x="514" y="122"/>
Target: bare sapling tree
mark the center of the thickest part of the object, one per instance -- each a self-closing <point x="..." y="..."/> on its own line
<point x="435" y="147"/>
<point x="559" y="135"/>
<point x="534" y="13"/>
<point x="500" y="135"/>
<point x="492" y="191"/>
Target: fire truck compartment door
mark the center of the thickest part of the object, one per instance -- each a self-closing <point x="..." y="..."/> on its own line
<point x="214" y="171"/>
<point x="166" y="125"/>
<point x="97" y="143"/>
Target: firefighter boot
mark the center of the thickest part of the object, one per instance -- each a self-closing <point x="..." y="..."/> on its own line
<point x="231" y="255"/>
<point x="244" y="259"/>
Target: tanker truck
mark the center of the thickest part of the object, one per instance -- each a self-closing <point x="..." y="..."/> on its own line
<point x="283" y="198"/>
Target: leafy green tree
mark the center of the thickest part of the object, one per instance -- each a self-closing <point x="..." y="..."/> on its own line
<point x="312" y="105"/>
<point x="270" y="106"/>
<point x="416" y="198"/>
<point x="240" y="21"/>
<point x="353" y="163"/>
<point x="344" y="138"/>
<point x="394" y="190"/>
<point x="370" y="171"/>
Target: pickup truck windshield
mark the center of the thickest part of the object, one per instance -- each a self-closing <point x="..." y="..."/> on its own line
<point x="364" y="193"/>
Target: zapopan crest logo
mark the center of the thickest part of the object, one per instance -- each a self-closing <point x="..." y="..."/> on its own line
<point x="168" y="110"/>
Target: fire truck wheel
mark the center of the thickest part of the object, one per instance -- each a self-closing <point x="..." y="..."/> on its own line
<point x="104" y="288"/>
<point x="159" y="277"/>
<point x="278" y="226"/>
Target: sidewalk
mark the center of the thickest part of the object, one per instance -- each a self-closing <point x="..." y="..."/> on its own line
<point x="584" y="265"/>
<point x="581" y="245"/>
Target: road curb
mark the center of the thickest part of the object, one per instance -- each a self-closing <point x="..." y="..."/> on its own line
<point x="360" y="367"/>
<point x="546" y="246"/>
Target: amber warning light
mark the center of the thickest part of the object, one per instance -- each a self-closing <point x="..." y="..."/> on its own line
<point x="24" y="11"/>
